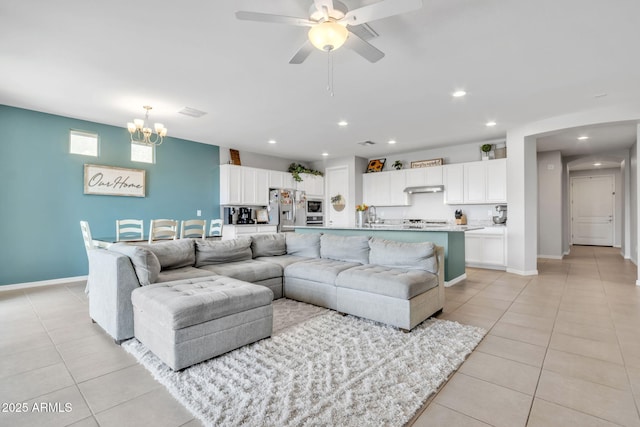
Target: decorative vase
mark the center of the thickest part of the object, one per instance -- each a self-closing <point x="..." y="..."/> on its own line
<point x="360" y="218"/>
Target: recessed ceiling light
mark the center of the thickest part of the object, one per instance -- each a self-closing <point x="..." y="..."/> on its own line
<point x="597" y="164"/>
<point x="392" y="141"/>
<point x="459" y="94"/>
<point x="490" y="124"/>
<point x="583" y="138"/>
<point x="325" y="154"/>
<point x="272" y="141"/>
<point x="343" y="123"/>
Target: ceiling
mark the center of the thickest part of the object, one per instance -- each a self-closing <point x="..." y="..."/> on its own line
<point x="519" y="61"/>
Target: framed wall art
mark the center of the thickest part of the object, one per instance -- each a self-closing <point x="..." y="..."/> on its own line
<point x="427" y="163"/>
<point x="376" y="165"/>
<point x="113" y="181"/>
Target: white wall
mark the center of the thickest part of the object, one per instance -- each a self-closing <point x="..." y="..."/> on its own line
<point x="256" y="160"/>
<point x="633" y="208"/>
<point x="550" y="201"/>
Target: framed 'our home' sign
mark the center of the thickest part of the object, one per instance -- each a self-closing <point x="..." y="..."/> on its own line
<point x="113" y="181"/>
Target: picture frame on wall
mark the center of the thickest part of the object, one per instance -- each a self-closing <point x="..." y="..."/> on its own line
<point x="113" y="181"/>
<point x="427" y="163"/>
<point x="376" y="165"/>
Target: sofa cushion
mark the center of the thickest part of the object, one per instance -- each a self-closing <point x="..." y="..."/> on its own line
<point x="318" y="270"/>
<point x="210" y="252"/>
<point x="392" y="282"/>
<point x="182" y="273"/>
<point x="249" y="271"/>
<point x="174" y="253"/>
<point x="345" y="248"/>
<point x="307" y="245"/>
<point x="145" y="262"/>
<point x="268" y="245"/>
<point x="283" y="260"/>
<point x="414" y="256"/>
<point x="185" y="303"/>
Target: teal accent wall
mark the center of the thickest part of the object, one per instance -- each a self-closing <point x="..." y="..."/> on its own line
<point x="42" y="200"/>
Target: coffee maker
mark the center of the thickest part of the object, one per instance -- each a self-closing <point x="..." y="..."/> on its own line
<point x="501" y="218"/>
<point x="244" y="216"/>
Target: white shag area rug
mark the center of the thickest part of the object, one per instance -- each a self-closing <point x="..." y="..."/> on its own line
<point x="329" y="370"/>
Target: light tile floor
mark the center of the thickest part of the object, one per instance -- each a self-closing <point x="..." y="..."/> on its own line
<point x="563" y="349"/>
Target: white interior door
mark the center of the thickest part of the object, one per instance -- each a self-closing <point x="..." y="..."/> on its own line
<point x="337" y="182"/>
<point x="592" y="208"/>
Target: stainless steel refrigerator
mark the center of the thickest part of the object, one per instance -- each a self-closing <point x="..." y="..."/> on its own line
<point x="287" y="208"/>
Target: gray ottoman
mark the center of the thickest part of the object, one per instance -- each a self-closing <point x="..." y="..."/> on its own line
<point x="188" y="321"/>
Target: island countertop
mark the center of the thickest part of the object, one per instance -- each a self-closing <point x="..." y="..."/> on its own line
<point x="399" y="227"/>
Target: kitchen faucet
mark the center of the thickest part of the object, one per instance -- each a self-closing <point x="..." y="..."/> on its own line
<point x="373" y="217"/>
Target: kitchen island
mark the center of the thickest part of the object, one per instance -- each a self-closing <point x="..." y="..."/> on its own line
<point x="450" y="237"/>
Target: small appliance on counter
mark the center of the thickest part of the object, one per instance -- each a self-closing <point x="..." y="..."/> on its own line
<point x="244" y="216"/>
<point x="461" y="219"/>
<point x="501" y="218"/>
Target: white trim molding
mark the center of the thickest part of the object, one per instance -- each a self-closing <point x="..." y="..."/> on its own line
<point x="51" y="282"/>
<point x="522" y="272"/>
<point x="550" y="256"/>
<point x="456" y="280"/>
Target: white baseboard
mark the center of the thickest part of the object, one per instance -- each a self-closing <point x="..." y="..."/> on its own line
<point x="550" y="256"/>
<point x="456" y="280"/>
<point x="51" y="282"/>
<point x="637" y="282"/>
<point x="567" y="252"/>
<point x="617" y="246"/>
<point x="523" y="272"/>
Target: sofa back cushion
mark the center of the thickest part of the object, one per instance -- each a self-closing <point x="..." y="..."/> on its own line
<point x="345" y="248"/>
<point x="306" y="245"/>
<point x="174" y="253"/>
<point x="268" y="245"/>
<point x="209" y="252"/>
<point x="411" y="256"/>
<point x="145" y="263"/>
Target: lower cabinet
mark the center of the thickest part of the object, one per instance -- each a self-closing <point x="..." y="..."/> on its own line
<point x="234" y="231"/>
<point x="486" y="248"/>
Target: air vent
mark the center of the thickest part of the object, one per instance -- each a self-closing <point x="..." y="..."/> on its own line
<point x="192" y="112"/>
<point x="367" y="143"/>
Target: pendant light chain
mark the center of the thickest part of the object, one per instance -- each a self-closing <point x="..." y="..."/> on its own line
<point x="330" y="73"/>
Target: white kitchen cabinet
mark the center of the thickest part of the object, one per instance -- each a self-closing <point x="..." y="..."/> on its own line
<point x="279" y="179"/>
<point x="482" y="182"/>
<point x="384" y="189"/>
<point x="311" y="184"/>
<point x="240" y="185"/>
<point x="418" y="177"/>
<point x="234" y="231"/>
<point x="486" y="248"/>
<point x="230" y="185"/>
<point x="453" y="183"/>
<point x="496" y="181"/>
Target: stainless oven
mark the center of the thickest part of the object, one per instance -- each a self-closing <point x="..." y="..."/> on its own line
<point x="315" y="214"/>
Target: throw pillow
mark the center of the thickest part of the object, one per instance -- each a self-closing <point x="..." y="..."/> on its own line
<point x="307" y="245"/>
<point x="145" y="263"/>
<point x="268" y="245"/>
<point x="174" y="253"/>
<point x="411" y="256"/>
<point x="210" y="252"/>
<point x="345" y="248"/>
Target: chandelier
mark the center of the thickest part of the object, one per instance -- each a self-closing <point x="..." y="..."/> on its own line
<point x="141" y="133"/>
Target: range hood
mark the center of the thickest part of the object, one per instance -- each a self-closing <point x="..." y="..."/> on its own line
<point x="424" y="189"/>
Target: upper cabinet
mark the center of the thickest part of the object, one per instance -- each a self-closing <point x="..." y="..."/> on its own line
<point x="418" y="177"/>
<point x="241" y="185"/>
<point x="384" y="189"/>
<point x="313" y="185"/>
<point x="476" y="182"/>
<point x="279" y="179"/>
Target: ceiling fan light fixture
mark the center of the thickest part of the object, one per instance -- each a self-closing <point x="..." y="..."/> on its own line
<point x="328" y="35"/>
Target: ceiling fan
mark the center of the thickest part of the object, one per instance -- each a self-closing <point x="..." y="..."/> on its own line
<point x="332" y="25"/>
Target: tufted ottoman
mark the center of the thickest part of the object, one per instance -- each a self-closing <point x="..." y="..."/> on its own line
<point x="189" y="321"/>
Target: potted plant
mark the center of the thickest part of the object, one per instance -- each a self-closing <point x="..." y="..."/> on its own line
<point x="397" y="165"/>
<point x="296" y="169"/>
<point x="485" y="148"/>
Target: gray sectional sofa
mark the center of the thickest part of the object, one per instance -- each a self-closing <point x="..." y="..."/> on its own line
<point x="400" y="284"/>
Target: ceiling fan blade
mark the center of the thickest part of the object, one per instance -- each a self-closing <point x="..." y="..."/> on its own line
<point x="364" y="31"/>
<point x="302" y="53"/>
<point x="382" y="9"/>
<point x="363" y="48"/>
<point x="276" y="19"/>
